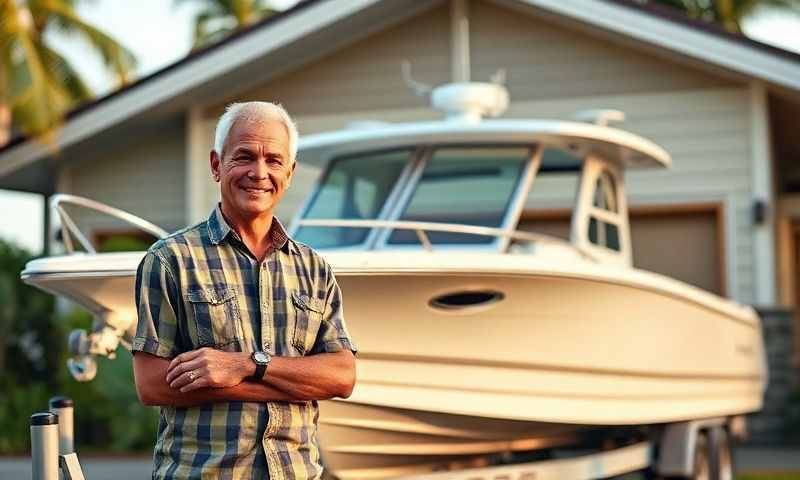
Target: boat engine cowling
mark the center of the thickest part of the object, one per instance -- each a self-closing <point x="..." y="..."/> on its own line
<point x="108" y="331"/>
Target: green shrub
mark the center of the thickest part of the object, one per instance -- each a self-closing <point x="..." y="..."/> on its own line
<point x="33" y="355"/>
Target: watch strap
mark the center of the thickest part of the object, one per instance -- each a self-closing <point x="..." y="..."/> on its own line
<point x="261" y="369"/>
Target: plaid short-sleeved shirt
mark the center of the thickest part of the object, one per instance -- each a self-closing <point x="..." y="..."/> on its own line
<point x="201" y="287"/>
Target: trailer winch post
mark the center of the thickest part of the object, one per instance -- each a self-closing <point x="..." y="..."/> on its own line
<point x="63" y="407"/>
<point x="44" y="446"/>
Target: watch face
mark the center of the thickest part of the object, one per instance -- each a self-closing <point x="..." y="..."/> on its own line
<point x="260" y="357"/>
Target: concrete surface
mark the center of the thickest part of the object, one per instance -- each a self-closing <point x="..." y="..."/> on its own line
<point x="748" y="459"/>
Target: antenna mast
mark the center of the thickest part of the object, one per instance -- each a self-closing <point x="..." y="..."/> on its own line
<point x="462" y="99"/>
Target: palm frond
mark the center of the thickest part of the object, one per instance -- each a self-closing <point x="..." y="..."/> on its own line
<point x="266" y="11"/>
<point x="39" y="110"/>
<point x="728" y="13"/>
<point x="215" y="35"/>
<point x="207" y="28"/>
<point x="219" y="18"/>
<point x="9" y="31"/>
<point x="115" y="56"/>
<point x="64" y="74"/>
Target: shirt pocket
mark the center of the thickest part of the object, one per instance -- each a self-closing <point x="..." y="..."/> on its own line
<point x="216" y="317"/>
<point x="307" y="313"/>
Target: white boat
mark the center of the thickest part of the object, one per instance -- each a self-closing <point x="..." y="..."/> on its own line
<point x="475" y="339"/>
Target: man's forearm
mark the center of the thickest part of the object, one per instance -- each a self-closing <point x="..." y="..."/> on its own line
<point x="314" y="377"/>
<point x="153" y="389"/>
<point x="245" y="392"/>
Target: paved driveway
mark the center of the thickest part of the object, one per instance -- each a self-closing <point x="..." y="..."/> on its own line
<point x="93" y="468"/>
<point x="750" y="459"/>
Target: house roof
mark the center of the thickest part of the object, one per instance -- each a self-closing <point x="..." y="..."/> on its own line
<point x="320" y="25"/>
<point x="662" y="27"/>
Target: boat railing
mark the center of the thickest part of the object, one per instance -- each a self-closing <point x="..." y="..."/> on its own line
<point x="70" y="228"/>
<point x="420" y="228"/>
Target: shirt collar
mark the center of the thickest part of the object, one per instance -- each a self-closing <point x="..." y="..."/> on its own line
<point x="218" y="229"/>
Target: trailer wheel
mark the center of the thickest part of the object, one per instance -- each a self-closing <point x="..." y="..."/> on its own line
<point x="721" y="454"/>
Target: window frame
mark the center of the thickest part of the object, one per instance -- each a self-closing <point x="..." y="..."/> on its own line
<point x="369" y="240"/>
<point x="510" y="219"/>
<point x="397" y="201"/>
<point x="594" y="168"/>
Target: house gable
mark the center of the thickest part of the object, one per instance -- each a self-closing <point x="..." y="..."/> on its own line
<point x="545" y="59"/>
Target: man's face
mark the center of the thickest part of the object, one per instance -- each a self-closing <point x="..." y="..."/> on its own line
<point x="255" y="169"/>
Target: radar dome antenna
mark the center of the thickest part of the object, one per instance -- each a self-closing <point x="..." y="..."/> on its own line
<point x="463" y="101"/>
<point x="420" y="89"/>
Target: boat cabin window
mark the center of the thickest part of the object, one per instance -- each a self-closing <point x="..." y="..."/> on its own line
<point x="602" y="233"/>
<point x="605" y="193"/>
<point x="354" y="188"/>
<point x="472" y="186"/>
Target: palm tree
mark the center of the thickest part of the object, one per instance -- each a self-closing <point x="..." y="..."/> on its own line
<point x="219" y="18"/>
<point x="728" y="13"/>
<point x="38" y="85"/>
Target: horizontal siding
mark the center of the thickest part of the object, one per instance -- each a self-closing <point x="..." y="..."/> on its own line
<point x="144" y="176"/>
<point x="366" y="75"/>
<point x="544" y="60"/>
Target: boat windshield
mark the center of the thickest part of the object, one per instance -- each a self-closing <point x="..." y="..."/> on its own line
<point x="469" y="186"/>
<point x="461" y="185"/>
<point x="354" y="188"/>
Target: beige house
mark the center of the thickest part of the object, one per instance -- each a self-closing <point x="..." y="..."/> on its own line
<point x="724" y="217"/>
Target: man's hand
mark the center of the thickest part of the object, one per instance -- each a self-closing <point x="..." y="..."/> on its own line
<point x="208" y="368"/>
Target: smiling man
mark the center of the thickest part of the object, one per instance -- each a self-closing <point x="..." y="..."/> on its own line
<point x="240" y="328"/>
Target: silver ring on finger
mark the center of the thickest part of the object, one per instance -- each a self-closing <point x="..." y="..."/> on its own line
<point x="192" y="375"/>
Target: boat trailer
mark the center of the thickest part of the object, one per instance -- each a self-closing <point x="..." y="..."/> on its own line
<point x="698" y="449"/>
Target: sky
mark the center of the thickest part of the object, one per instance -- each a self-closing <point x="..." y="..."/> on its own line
<point x="159" y="33"/>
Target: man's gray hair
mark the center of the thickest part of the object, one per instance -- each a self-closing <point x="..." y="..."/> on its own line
<point x="254" y="112"/>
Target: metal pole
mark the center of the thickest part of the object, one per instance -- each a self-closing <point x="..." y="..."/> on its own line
<point x="63" y="407"/>
<point x="47" y="235"/>
<point x="459" y="39"/>
<point x="44" y="446"/>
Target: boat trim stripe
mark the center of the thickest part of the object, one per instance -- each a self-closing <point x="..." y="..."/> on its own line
<point x="528" y="366"/>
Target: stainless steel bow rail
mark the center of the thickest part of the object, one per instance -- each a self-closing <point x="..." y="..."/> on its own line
<point x="70" y="229"/>
<point x="421" y="229"/>
<point x="108" y="330"/>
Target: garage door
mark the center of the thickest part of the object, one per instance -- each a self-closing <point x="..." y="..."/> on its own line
<point x="683" y="242"/>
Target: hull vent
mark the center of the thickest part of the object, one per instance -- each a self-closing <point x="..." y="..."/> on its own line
<point x="466" y="300"/>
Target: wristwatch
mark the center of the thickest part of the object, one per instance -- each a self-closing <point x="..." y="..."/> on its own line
<point x="261" y="359"/>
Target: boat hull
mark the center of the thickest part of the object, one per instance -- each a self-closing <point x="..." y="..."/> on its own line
<point x="560" y="353"/>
